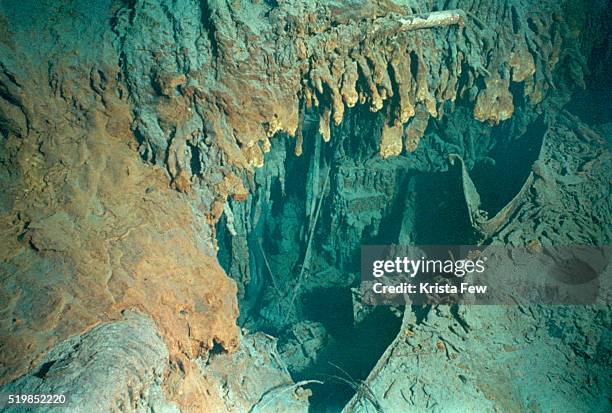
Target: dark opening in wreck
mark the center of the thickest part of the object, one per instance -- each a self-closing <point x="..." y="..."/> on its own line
<point x="314" y="211"/>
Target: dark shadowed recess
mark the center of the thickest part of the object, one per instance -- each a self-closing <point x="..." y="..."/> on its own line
<point x="353" y="351"/>
<point x="501" y="177"/>
<point x="426" y="202"/>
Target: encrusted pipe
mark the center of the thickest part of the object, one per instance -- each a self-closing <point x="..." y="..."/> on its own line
<point x="421" y="21"/>
<point x="433" y="19"/>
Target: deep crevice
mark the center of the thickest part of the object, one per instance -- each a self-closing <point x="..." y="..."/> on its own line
<point x="413" y="199"/>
